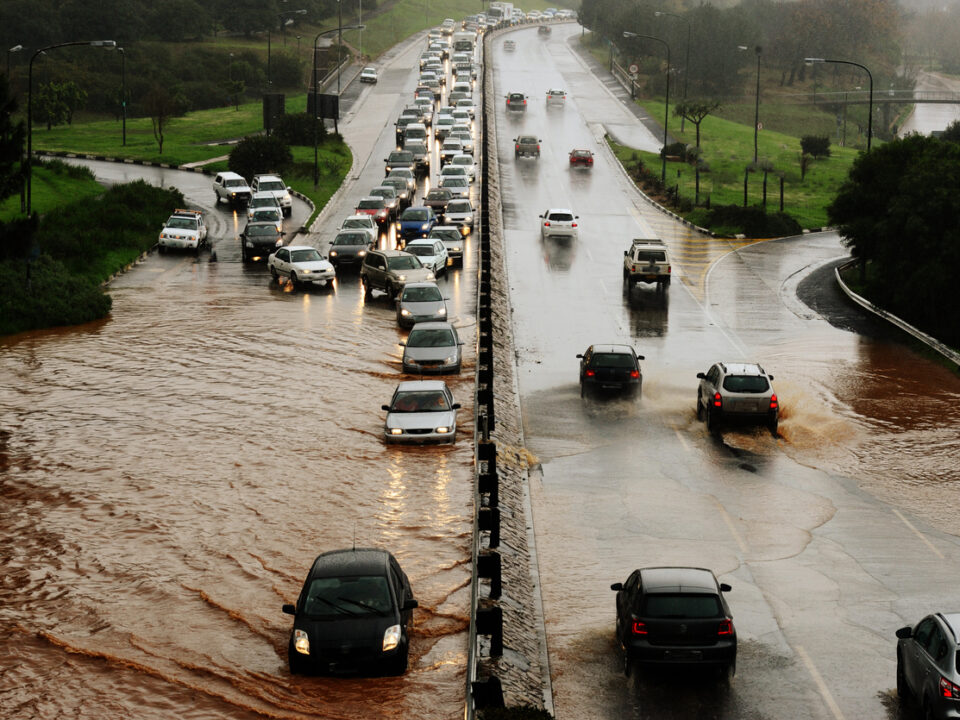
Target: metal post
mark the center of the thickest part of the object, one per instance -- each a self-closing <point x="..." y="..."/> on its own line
<point x="756" y="110"/>
<point x="666" y="110"/>
<point x="339" y="49"/>
<point x="360" y="22"/>
<point x="812" y="60"/>
<point x="269" y="81"/>
<point x="686" y="61"/>
<point x="123" y="92"/>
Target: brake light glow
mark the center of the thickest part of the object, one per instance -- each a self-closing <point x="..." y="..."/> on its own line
<point x="573" y="224"/>
<point x="948" y="689"/>
<point x="773" y="402"/>
<point x="717" y="400"/>
<point x="634" y="374"/>
<point x="546" y="223"/>
<point x="726" y="627"/>
<point x="638" y="628"/>
<point x="590" y="373"/>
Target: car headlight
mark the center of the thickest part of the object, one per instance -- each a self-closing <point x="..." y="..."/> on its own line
<point x="425" y="226"/>
<point x="449" y="359"/>
<point x="444" y="430"/>
<point x="402" y="278"/>
<point x="279" y="242"/>
<point x="395" y="431"/>
<point x="301" y="643"/>
<point x="391" y="637"/>
<point x="361" y="253"/>
<point x="332" y="253"/>
<point x="430" y="276"/>
<point x="405" y="312"/>
<point x="306" y="271"/>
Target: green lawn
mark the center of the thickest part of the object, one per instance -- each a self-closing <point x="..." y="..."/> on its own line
<point x="48" y="191"/>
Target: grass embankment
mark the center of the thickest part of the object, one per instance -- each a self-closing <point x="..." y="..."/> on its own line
<point x="57" y="280"/>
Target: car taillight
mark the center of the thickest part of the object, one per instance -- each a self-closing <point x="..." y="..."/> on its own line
<point x="726" y="627"/>
<point x="546" y="223"/>
<point x="638" y="628"/>
<point x="635" y="374"/>
<point x="538" y="146"/>
<point x="590" y="373"/>
<point x="773" y="402"/>
<point x="573" y="224"/>
<point x="518" y="147"/>
<point x="717" y="400"/>
<point x="948" y="689"/>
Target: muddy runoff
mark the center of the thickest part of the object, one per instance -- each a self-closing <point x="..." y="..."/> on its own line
<point x="169" y="474"/>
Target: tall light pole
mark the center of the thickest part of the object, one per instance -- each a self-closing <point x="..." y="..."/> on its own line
<point x="666" y="112"/>
<point x="339" y="49"/>
<point x="123" y="92"/>
<point x="316" y="107"/>
<point x="811" y="61"/>
<point x="686" y="60"/>
<point x="90" y="43"/>
<point x="756" y="106"/>
<point x="11" y="51"/>
<point x="285" y="20"/>
<point x="269" y="81"/>
<point x="360" y="22"/>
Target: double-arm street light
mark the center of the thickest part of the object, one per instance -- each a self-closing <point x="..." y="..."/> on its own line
<point x="811" y="61"/>
<point x="316" y="107"/>
<point x="756" y="106"/>
<point x="91" y="43"/>
<point x="11" y="51"/>
<point x="686" y="60"/>
<point x="666" y="113"/>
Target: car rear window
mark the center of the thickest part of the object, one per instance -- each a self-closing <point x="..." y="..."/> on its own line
<point x="651" y="256"/>
<point x="371" y="204"/>
<point x="681" y="605"/>
<point x="458" y="206"/>
<point x="614" y="360"/>
<point x="561" y="217"/>
<point x="348" y="596"/>
<point x="425" y="250"/>
<point x="745" y="383"/>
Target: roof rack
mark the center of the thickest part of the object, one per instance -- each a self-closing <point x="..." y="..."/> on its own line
<point x="648" y="241"/>
<point x="180" y="211"/>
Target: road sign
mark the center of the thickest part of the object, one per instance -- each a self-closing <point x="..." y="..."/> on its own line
<point x="634" y="69"/>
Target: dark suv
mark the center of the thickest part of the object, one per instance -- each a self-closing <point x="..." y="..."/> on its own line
<point x="516" y="101"/>
<point x="737" y="392"/>
<point x="610" y="367"/>
<point x="389" y="270"/>
<point x="675" y="616"/>
<point x="259" y="239"/>
<point x="927" y="665"/>
<point x="352" y="614"/>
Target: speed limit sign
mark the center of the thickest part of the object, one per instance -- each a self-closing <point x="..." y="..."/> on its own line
<point x="634" y="69"/>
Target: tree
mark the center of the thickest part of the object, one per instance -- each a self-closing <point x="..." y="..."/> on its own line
<point x="952" y="133"/>
<point x="73" y="97"/>
<point x="260" y="154"/>
<point x="49" y="106"/>
<point x="696" y="112"/>
<point x="899" y="213"/>
<point x="11" y="144"/>
<point x="160" y="104"/>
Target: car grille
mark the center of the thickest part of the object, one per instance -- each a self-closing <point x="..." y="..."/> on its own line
<point x="419" y="431"/>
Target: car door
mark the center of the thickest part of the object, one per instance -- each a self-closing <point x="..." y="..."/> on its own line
<point x="440" y="250"/>
<point x="281" y="261"/>
<point x="625" y="604"/>
<point x="914" y="655"/>
<point x="932" y="654"/>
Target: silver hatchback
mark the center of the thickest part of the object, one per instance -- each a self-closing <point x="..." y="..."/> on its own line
<point x="420" y="302"/>
<point x="432" y="348"/>
<point x="737" y="392"/>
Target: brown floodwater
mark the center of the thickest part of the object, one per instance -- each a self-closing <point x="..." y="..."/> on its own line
<point x="169" y="474"/>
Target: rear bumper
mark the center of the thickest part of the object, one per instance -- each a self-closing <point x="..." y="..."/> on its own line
<point x="720" y="654"/>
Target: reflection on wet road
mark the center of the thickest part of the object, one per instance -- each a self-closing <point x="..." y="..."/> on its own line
<point x="823" y="570"/>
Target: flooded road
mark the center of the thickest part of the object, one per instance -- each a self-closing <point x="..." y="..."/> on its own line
<point x="928" y="118"/>
<point x="170" y="473"/>
<point x="832" y="535"/>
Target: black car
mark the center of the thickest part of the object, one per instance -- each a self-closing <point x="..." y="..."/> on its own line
<point x="610" y="368"/>
<point x="928" y="665"/>
<point x="675" y="616"/>
<point x="259" y="239"/>
<point x="349" y="248"/>
<point x="352" y="614"/>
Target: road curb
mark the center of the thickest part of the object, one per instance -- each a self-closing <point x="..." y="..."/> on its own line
<point x="931" y="342"/>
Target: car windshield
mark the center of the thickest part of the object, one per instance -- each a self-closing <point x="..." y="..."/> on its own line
<point x="445" y="120"/>
<point x="422" y="294"/>
<point x="236" y="183"/>
<point x="398" y="157"/>
<point x="371" y="204"/>
<point x="348" y="596"/>
<point x="271" y="214"/>
<point x="182" y="223"/>
<point x="455" y="181"/>
<point x="387" y="193"/>
<point x="681" y="606"/>
<point x="403" y="262"/>
<point x="398" y="184"/>
<point x="614" y="360"/>
<point x="459" y="206"/>
<point x="310" y="255"/>
<point x="420" y="401"/>
<point x="453" y="171"/>
<point x="432" y="337"/>
<point x="357" y="223"/>
<point x="262" y="230"/>
<point x="560" y="217"/>
<point x="421" y="250"/>
<point x="351" y="239"/>
<point x="417" y="149"/>
<point x="745" y="383"/>
<point x="271" y="186"/>
<point x="463" y="160"/>
<point x="414" y="215"/>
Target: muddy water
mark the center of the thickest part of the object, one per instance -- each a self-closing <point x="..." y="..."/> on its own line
<point x="169" y="474"/>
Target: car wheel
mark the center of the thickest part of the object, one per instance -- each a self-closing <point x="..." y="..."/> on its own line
<point x="774" y="425"/>
<point x="699" y="409"/>
<point x="162" y="249"/>
<point x="273" y="274"/>
<point x="712" y="420"/>
<point x="903" y="690"/>
<point x="583" y="389"/>
<point x="294" y="281"/>
<point x="298" y="665"/>
<point x="726" y="672"/>
<point x="367" y="290"/>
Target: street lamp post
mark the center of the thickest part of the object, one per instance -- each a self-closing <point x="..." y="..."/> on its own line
<point x="285" y="20"/>
<point x="316" y="108"/>
<point x="123" y="92"/>
<point x="811" y="61"/>
<point x="686" y="60"/>
<point x="11" y="51"/>
<point x="91" y="43"/>
<point x="666" y="113"/>
<point x="756" y="105"/>
<point x="269" y="81"/>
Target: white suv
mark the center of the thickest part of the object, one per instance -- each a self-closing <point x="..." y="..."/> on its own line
<point x="737" y="392"/>
<point x="231" y="187"/>
<point x="559" y="222"/>
<point x="273" y="184"/>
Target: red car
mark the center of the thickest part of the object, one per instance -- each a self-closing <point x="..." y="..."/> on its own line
<point x="374" y="206"/>
<point x="581" y="157"/>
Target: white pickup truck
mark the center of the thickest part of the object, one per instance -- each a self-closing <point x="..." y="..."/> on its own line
<point x="184" y="230"/>
<point x="647" y="260"/>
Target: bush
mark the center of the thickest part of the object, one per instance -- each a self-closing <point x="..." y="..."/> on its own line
<point x="260" y="154"/>
<point x="750" y="221"/>
<point x="297" y="129"/>
<point x="677" y="149"/>
<point x="816" y="146"/>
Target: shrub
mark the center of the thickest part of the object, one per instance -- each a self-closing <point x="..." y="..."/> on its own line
<point x="816" y="146"/>
<point x="260" y="154"/>
<point x="297" y="129"/>
<point x="677" y="149"/>
<point x="750" y="221"/>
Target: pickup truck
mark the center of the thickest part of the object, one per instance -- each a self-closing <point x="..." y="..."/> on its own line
<point x="184" y="230"/>
<point x="647" y="260"/>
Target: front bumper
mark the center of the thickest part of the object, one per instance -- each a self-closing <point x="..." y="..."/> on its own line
<point x="179" y="243"/>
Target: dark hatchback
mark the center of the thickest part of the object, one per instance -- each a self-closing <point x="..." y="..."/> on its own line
<point x="675" y="616"/>
<point x="349" y="247"/>
<point x="259" y="239"/>
<point x="610" y="368"/>
<point x="352" y="614"/>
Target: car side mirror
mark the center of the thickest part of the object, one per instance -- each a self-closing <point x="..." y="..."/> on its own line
<point x="724" y="587"/>
<point x="702" y="376"/>
<point x="617" y="586"/>
<point x="402" y="343"/>
<point x="289" y="609"/>
<point x="770" y="376"/>
<point x="905" y="633"/>
<point x="410" y="604"/>
<point x="640" y="357"/>
<point x="579" y="355"/>
<point x="385" y="407"/>
<point x="625" y="253"/>
<point x="456" y="406"/>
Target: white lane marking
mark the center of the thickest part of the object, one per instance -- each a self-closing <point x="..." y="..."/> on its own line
<point x="603" y="287"/>
<point x="733" y="530"/>
<point x="821" y="685"/>
<point x="680" y="437"/>
<point x="918" y="533"/>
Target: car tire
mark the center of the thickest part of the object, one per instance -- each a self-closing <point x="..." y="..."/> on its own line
<point x="367" y="290"/>
<point x="298" y="665"/>
<point x="273" y="274"/>
<point x="294" y="281"/>
<point x="903" y="690"/>
<point x="583" y="389"/>
<point x="162" y="249"/>
<point x="713" y="422"/>
<point x="726" y="672"/>
<point x="774" y="426"/>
